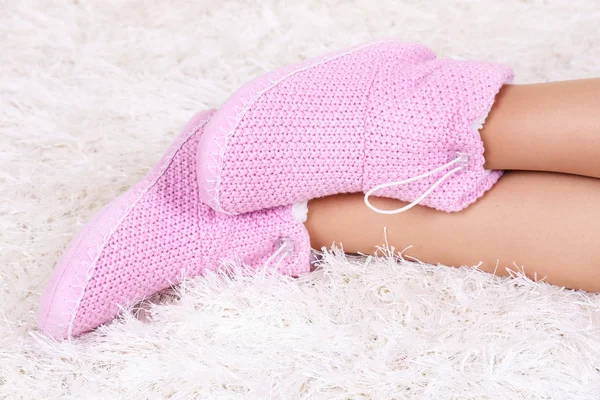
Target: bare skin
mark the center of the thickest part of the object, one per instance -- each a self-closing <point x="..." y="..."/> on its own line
<point x="551" y="127"/>
<point x="546" y="224"/>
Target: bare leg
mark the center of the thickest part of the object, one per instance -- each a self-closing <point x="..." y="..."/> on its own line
<point x="548" y="223"/>
<point x="545" y="127"/>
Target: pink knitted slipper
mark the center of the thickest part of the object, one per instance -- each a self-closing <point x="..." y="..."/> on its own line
<point x="154" y="234"/>
<point x="387" y="116"/>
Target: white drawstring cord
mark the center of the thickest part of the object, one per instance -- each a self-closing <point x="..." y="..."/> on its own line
<point x="462" y="158"/>
<point x="286" y="246"/>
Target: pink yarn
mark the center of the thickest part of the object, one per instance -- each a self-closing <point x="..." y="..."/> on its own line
<point x="153" y="235"/>
<point x="348" y="122"/>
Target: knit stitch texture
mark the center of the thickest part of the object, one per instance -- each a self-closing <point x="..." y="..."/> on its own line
<point x="347" y="122"/>
<point x="154" y="235"/>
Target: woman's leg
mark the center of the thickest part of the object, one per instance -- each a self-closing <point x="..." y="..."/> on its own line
<point x="545" y="127"/>
<point x="547" y="223"/>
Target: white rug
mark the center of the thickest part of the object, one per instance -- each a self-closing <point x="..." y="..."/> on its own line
<point x="92" y="93"/>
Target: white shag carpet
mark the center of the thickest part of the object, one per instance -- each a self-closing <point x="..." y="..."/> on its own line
<point x="93" y="92"/>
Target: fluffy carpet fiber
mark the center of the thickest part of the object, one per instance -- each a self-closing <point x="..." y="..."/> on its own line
<point x="91" y="95"/>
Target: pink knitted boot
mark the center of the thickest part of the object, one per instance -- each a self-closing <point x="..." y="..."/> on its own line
<point x="387" y="116"/>
<point x="154" y="234"/>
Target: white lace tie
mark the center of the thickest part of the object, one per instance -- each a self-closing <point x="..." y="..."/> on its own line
<point x="461" y="159"/>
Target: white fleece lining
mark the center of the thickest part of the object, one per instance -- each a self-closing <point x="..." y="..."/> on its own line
<point x="477" y="125"/>
<point x="300" y="211"/>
